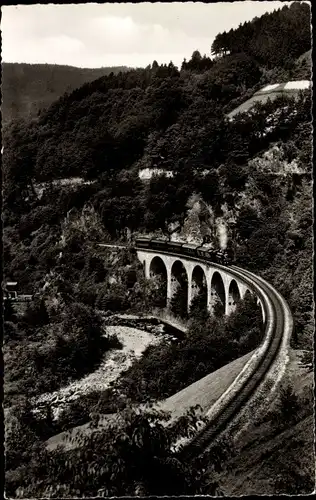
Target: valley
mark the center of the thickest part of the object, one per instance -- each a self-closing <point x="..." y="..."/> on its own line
<point x="159" y="221"/>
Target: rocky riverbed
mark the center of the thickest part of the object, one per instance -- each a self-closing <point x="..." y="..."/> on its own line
<point x="114" y="362"/>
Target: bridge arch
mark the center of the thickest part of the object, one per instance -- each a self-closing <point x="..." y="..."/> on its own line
<point x="234" y="296"/>
<point x="179" y="288"/>
<point x="198" y="287"/>
<point x="158" y="270"/>
<point x="157" y="266"/>
<point x="217" y="299"/>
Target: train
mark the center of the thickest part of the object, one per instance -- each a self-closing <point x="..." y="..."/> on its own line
<point x="224" y="258"/>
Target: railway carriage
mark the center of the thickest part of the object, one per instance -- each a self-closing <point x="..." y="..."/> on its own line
<point x="190" y="249"/>
<point x="159" y="244"/>
<point x="143" y="242"/>
<point x="202" y="252"/>
<point x="174" y="246"/>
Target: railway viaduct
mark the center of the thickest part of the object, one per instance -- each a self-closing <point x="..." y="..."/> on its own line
<point x="266" y="366"/>
<point x="193" y="275"/>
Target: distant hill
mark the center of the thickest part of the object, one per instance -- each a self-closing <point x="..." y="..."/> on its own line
<point x="26" y="88"/>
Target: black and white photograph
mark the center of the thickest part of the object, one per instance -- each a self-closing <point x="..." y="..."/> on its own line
<point x="157" y="236"/>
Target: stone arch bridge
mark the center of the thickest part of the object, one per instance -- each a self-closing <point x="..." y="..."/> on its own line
<point x="268" y="361"/>
<point x="193" y="275"/>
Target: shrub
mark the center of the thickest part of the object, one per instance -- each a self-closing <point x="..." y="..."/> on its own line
<point x="288" y="405"/>
<point x="10" y="331"/>
<point x="36" y="314"/>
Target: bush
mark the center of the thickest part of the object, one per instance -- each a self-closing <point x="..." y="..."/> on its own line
<point x="8" y="310"/>
<point x="114" y="300"/>
<point x="179" y="303"/>
<point x="38" y="217"/>
<point x="10" y="330"/>
<point x="288" y="406"/>
<point x="36" y="314"/>
<point x="79" y="412"/>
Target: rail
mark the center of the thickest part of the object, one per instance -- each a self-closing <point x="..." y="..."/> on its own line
<point x="279" y="326"/>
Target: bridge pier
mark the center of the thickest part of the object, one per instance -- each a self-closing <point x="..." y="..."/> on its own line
<point x="190" y="294"/>
<point x="172" y="286"/>
<point x="210" y="301"/>
<point x="193" y="290"/>
<point x="146" y="264"/>
<point x="169" y="290"/>
<point x="228" y="303"/>
<point x="243" y="289"/>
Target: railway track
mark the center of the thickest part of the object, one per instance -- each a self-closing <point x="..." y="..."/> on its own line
<point x="278" y="320"/>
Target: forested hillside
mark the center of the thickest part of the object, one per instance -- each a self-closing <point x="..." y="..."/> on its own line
<point x="275" y="39"/>
<point x="71" y="180"/>
<point x="108" y="129"/>
<point x="27" y="88"/>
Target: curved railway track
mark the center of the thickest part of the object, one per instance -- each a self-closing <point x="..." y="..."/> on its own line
<point x="277" y="317"/>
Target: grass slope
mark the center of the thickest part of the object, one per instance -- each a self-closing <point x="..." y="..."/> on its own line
<point x="263" y="97"/>
<point x="206" y="391"/>
<point x="253" y="470"/>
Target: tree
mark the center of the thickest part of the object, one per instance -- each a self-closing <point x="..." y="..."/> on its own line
<point x="179" y="303"/>
<point x="247" y="222"/>
<point x="289" y="406"/>
<point x="235" y="176"/>
<point x="194" y="63"/>
<point x="207" y="185"/>
<point x="198" y="307"/>
<point x="36" y="313"/>
<point x="259" y="37"/>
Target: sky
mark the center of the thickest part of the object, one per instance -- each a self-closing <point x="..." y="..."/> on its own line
<point x="95" y="35"/>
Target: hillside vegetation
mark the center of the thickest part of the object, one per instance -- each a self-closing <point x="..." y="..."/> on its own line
<point x="28" y="88"/>
<point x="273" y="39"/>
<point x="251" y="177"/>
<point x="252" y="174"/>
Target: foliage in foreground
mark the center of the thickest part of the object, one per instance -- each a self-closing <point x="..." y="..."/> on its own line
<point x="132" y="456"/>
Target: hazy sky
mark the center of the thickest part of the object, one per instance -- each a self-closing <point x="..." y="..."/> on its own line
<point x="95" y="35"/>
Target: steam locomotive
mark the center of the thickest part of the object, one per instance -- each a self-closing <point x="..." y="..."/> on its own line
<point x="217" y="256"/>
